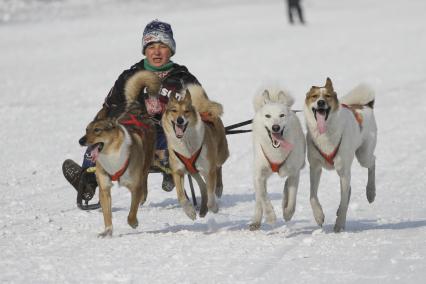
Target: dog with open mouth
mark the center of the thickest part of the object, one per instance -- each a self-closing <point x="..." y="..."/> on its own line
<point x="197" y="146"/>
<point x="279" y="147"/>
<point x="123" y="149"/>
<point x="339" y="131"/>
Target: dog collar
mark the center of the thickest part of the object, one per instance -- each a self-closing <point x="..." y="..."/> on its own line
<point x="117" y="175"/>
<point x="275" y="167"/>
<point x="189" y="162"/>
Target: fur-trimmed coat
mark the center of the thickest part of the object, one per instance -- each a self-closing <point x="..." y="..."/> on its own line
<point x="174" y="80"/>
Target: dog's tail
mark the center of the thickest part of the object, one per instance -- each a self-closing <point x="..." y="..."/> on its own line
<point x="139" y="81"/>
<point x="273" y="95"/>
<point x="362" y="94"/>
<point x="201" y="102"/>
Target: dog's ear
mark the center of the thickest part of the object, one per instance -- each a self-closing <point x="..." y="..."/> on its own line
<point x="266" y="97"/>
<point x="285" y="98"/>
<point x="310" y="91"/>
<point x="110" y="124"/>
<point x="329" y="84"/>
<point x="187" y="97"/>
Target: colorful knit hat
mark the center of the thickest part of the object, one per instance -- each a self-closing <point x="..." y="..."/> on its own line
<point x="157" y="31"/>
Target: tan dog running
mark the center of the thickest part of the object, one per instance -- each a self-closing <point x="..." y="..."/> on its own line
<point x="197" y="144"/>
<point x="124" y="149"/>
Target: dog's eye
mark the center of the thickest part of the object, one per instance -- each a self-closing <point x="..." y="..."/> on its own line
<point x="97" y="130"/>
<point x="282" y="115"/>
<point x="173" y="110"/>
<point x="268" y="116"/>
<point x="315" y="97"/>
<point x="186" y="111"/>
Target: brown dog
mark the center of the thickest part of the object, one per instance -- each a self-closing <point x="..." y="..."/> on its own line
<point x="197" y="144"/>
<point x="124" y="150"/>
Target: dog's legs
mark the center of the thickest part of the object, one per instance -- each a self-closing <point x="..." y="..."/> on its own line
<point x="203" y="190"/>
<point x="211" y="190"/>
<point x="367" y="159"/>
<point x="144" y="193"/>
<point x="289" y="198"/>
<point x="188" y="208"/>
<point x="345" y="194"/>
<point x="266" y="205"/>
<point x="371" y="183"/>
<point x="132" y="219"/>
<point x="105" y="200"/>
<point x="315" y="175"/>
<point x="258" y="209"/>
<point x="219" y="182"/>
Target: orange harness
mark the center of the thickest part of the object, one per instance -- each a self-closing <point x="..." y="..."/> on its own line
<point x="329" y="157"/>
<point x="275" y="167"/>
<point x="189" y="162"/>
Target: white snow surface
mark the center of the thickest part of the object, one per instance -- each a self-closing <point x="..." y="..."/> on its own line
<point x="58" y="60"/>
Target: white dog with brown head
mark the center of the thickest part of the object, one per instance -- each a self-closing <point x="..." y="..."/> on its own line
<point x="337" y="132"/>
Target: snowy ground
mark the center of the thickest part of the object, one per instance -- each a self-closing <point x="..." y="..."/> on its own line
<point x="58" y="59"/>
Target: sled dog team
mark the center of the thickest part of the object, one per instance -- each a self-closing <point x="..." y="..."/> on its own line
<point x="337" y="131"/>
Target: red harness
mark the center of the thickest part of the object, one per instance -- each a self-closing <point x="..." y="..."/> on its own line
<point x="329" y="157"/>
<point x="357" y="115"/>
<point x="275" y="167"/>
<point x="189" y="162"/>
<point x="117" y="175"/>
<point x="139" y="126"/>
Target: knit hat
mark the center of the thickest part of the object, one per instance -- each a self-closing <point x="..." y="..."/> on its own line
<point x="157" y="31"/>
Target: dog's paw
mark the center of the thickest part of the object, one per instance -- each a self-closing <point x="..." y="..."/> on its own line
<point x="218" y="191"/>
<point x="106" y="233"/>
<point x="132" y="222"/>
<point x="270" y="218"/>
<point x="371" y="193"/>
<point x="340" y="223"/>
<point x="318" y="214"/>
<point x="254" y="226"/>
<point x="203" y="211"/>
<point x="288" y="213"/>
<point x="189" y="210"/>
<point x="213" y="207"/>
<point x="338" y="228"/>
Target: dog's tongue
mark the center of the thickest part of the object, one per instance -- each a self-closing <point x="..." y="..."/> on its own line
<point x="283" y="143"/>
<point x="321" y="123"/>
<point x="94" y="153"/>
<point x="179" y="130"/>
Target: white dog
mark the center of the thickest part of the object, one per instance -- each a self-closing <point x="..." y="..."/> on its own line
<point x="336" y="133"/>
<point x="279" y="146"/>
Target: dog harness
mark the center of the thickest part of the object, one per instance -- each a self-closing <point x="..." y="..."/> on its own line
<point x="275" y="167"/>
<point x="139" y="126"/>
<point x="357" y="115"/>
<point x="117" y="175"/>
<point x="189" y="162"/>
<point x="329" y="157"/>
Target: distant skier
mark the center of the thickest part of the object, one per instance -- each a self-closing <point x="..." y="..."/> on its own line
<point x="292" y="6"/>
